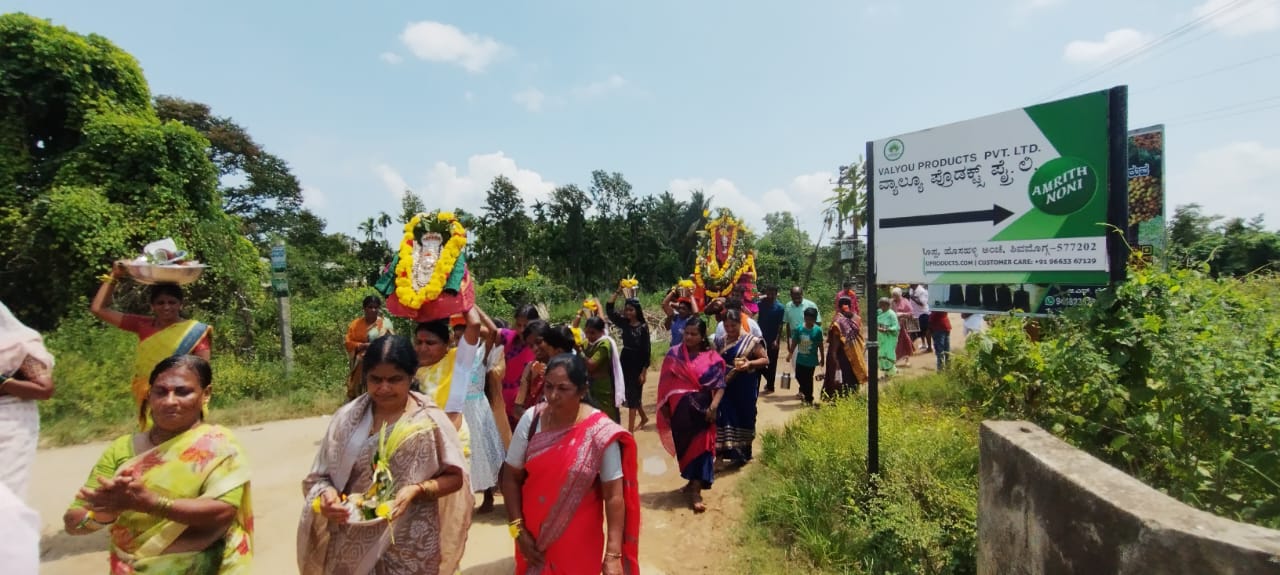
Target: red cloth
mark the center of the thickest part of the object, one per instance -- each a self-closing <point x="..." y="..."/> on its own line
<point x="145" y="327"/>
<point x="680" y="376"/>
<point x="442" y="308"/>
<point x="939" y="321"/>
<point x="563" y="501"/>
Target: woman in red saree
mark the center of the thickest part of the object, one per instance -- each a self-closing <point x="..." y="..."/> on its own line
<point x="571" y="470"/>
<point x="689" y="392"/>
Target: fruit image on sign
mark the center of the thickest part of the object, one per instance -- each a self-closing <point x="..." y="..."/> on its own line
<point x="1146" y="188"/>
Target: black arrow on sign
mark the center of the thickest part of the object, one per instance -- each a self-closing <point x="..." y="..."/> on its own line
<point x="994" y="215"/>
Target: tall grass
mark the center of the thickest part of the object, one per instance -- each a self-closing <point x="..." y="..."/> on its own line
<point x="813" y="498"/>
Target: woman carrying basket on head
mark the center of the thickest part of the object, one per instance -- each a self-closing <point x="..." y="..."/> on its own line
<point x="162" y="335"/>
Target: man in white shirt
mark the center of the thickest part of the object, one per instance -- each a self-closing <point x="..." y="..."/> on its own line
<point x="19" y="535"/>
<point x="919" y="299"/>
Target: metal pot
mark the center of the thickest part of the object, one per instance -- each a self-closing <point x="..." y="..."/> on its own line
<point x="786" y="381"/>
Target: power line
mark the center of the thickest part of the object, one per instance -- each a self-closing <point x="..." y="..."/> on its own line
<point x="1230" y="108"/>
<point x="1213" y="71"/>
<point x="1147" y="47"/>
<point x="1226" y="116"/>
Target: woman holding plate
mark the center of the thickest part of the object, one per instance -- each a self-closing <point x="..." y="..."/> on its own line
<point x="161" y="335"/>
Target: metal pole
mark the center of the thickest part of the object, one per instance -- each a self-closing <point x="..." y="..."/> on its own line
<point x="873" y="346"/>
<point x="286" y="335"/>
<point x="1118" y="183"/>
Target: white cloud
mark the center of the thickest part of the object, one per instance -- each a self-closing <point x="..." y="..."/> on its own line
<point x="446" y="186"/>
<point x="532" y="99"/>
<point x="394" y="182"/>
<point x="1240" y="19"/>
<point x="1234" y="180"/>
<point x="803" y="197"/>
<point x="436" y="42"/>
<point x="600" y="87"/>
<point x="314" y="199"/>
<point x="390" y="57"/>
<point x="1115" y="43"/>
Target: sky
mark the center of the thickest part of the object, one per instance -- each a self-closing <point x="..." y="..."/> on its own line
<point x="754" y="102"/>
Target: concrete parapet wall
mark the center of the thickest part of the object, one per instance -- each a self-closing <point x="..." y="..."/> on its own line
<point x="1047" y="508"/>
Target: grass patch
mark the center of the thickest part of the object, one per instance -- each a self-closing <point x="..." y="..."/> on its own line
<point x="811" y="507"/>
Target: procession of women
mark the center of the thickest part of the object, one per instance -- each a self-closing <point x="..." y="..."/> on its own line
<point x="459" y="411"/>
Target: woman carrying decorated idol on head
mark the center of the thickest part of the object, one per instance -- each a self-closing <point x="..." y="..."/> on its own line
<point x="570" y="482"/>
<point x="394" y="433"/>
<point x="175" y="498"/>
<point x="164" y="334"/>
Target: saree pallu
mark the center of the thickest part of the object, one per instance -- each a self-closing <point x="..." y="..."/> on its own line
<point x="357" y="333"/>
<point x="177" y="339"/>
<point x="685" y="387"/>
<point x="205" y="462"/>
<point x="429" y="537"/>
<point x="563" y="503"/>
<point x="736" y="418"/>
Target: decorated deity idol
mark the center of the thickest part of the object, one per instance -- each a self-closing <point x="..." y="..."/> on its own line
<point x="428" y="278"/>
<point x="726" y="262"/>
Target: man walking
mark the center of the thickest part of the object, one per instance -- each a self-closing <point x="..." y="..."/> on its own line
<point x="770" y="320"/>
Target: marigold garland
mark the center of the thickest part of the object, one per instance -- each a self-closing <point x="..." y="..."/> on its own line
<point x="449" y="253"/>
<point x="738" y="259"/>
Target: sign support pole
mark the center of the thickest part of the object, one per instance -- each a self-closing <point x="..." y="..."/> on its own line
<point x="280" y="285"/>
<point x="873" y="345"/>
<point x="1118" y="184"/>
<point x="286" y="335"/>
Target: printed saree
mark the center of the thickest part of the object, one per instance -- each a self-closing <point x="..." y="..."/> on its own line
<point x="607" y="389"/>
<point x="177" y="339"/>
<point x="205" y="462"/>
<point x="429" y="537"/>
<point x="563" y="501"/>
<point x="736" y="418"/>
<point x="518" y="355"/>
<point x="847" y="354"/>
<point x="685" y="387"/>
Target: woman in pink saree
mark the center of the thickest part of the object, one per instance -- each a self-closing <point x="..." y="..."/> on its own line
<point x="689" y="393"/>
<point x="571" y="470"/>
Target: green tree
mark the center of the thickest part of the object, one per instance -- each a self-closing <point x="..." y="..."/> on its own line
<point x="96" y="175"/>
<point x="257" y="187"/>
<point x="782" y="249"/>
<point x="502" y="232"/>
<point x="411" y="205"/>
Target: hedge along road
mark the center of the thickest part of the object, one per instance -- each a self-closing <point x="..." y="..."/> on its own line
<point x="672" y="540"/>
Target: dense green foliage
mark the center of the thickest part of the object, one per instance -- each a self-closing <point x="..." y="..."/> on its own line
<point x="1172" y="377"/>
<point x="813" y="496"/>
<point x="90" y="174"/>
<point x="1231" y="247"/>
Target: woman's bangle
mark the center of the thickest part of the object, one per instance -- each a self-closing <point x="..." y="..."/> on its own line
<point x="162" y="506"/>
<point x="431" y="493"/>
<point x="613" y="556"/>
<point x="514" y="528"/>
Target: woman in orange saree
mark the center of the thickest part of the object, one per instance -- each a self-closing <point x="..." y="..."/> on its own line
<point x="571" y="470"/>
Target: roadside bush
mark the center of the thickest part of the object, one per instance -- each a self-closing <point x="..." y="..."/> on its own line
<point x="1171" y="377"/>
<point x="814" y="497"/>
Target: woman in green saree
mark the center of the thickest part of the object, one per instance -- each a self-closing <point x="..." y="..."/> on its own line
<point x="175" y="498"/>
<point x="887" y="335"/>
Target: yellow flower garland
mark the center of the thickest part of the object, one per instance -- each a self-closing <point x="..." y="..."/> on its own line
<point x="405" y="293"/>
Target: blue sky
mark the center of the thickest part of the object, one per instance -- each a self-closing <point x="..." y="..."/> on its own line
<point x="754" y="102"/>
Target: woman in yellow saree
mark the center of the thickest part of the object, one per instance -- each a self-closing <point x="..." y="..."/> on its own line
<point x="175" y="498"/>
<point x="424" y="529"/>
<point x="163" y="335"/>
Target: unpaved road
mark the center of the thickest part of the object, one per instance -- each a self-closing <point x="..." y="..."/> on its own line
<point x="673" y="539"/>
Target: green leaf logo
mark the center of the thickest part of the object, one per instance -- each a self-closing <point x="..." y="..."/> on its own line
<point x="893" y="149"/>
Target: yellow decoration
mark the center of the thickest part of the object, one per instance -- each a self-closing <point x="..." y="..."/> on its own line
<point x="629" y="282"/>
<point x="383" y="511"/>
<point x="589" y="304"/>
<point x="444" y="266"/>
<point x="315" y="505"/>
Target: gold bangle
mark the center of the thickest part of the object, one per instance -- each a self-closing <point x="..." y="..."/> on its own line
<point x="613" y="556"/>
<point x="430" y="493"/>
<point x="514" y="528"/>
<point x="162" y="507"/>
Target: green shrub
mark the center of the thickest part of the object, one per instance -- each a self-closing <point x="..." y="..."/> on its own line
<point x="814" y="497"/>
<point x="1172" y="377"/>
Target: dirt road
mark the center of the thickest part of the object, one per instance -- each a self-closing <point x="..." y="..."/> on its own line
<point x="673" y="539"/>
